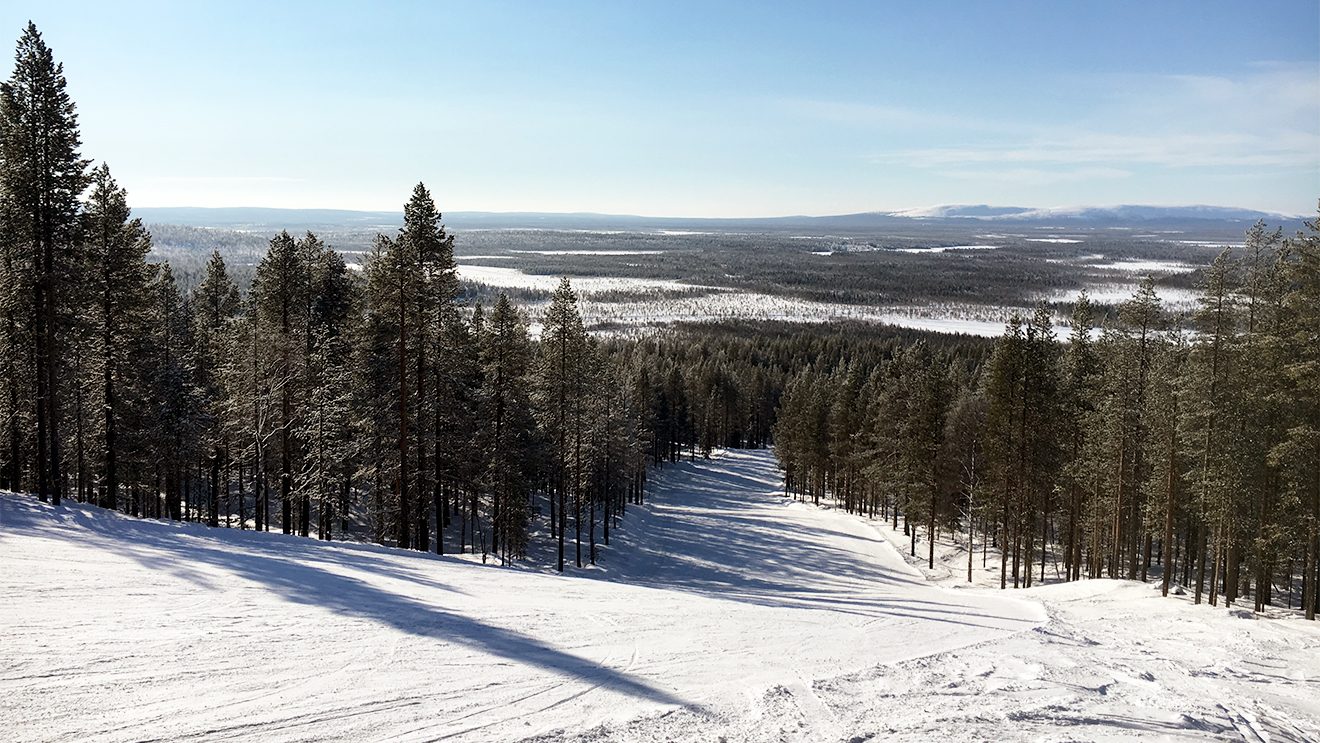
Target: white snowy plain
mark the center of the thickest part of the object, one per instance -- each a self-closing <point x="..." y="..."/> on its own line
<point x="724" y="611"/>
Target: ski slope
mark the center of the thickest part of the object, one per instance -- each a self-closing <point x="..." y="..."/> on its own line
<point x="724" y="611"/>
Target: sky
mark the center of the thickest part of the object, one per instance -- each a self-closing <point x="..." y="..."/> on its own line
<point x="696" y="108"/>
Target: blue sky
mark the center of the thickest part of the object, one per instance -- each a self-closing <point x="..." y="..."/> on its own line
<point x="696" y="109"/>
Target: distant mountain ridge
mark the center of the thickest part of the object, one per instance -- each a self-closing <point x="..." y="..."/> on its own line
<point x="267" y="219"/>
<point x="1122" y="212"/>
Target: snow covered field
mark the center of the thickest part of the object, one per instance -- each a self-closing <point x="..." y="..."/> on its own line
<point x="661" y="302"/>
<point x="724" y="612"/>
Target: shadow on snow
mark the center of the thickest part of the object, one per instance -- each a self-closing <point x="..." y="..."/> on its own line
<point x="288" y="568"/>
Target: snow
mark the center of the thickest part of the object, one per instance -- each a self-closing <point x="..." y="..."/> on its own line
<point x="501" y="276"/>
<point x="1148" y="267"/>
<point x="667" y="301"/>
<point x="588" y="252"/>
<point x="979" y="320"/>
<point x="1173" y="298"/>
<point x="1059" y="240"/>
<point x="724" y="612"/>
<point x="947" y="248"/>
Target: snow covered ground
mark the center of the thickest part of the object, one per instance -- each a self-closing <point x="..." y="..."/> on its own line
<point x="724" y="612"/>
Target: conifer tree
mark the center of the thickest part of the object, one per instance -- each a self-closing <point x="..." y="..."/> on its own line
<point x="1209" y="410"/>
<point x="117" y="302"/>
<point x="42" y="176"/>
<point x="279" y="307"/>
<point x="1298" y="456"/>
<point x="172" y="388"/>
<point x="507" y="426"/>
<point x="563" y="346"/>
<point x="1078" y="399"/>
<point x="215" y="302"/>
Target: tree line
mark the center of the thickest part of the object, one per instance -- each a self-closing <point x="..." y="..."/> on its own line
<point x="1184" y="446"/>
<point x="318" y="400"/>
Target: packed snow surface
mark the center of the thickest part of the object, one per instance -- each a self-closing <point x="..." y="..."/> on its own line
<point x="722" y="612"/>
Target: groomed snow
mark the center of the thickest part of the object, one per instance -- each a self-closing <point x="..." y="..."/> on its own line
<point x="120" y="629"/>
<point x="725" y="612"/>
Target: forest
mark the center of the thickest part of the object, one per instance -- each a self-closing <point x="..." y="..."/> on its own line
<point x="1183" y="447"/>
<point x="389" y="403"/>
<point x="319" y="401"/>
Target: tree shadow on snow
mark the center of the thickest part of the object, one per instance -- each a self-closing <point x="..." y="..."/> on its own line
<point x="717" y="528"/>
<point x="288" y="568"/>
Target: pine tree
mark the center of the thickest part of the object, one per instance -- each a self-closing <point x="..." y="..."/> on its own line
<point x="507" y="427"/>
<point x="42" y="176"/>
<point x="215" y="302"/>
<point x="279" y="306"/>
<point x="117" y="298"/>
<point x="1298" y="456"/>
<point x="1078" y="400"/>
<point x="1209" y="410"/>
<point x="964" y="460"/>
<point x="563" y="345"/>
<point x="171" y="383"/>
<point x="326" y="427"/>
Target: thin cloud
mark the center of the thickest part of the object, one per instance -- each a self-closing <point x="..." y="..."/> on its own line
<point x="1290" y="149"/>
<point x="222" y="179"/>
<point x="1036" y="176"/>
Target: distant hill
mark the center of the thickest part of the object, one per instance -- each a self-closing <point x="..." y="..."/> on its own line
<point x="267" y="220"/>
<point x="1126" y="213"/>
<point x="262" y="218"/>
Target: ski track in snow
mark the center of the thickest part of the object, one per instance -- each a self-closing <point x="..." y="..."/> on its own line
<point x="725" y="612"/>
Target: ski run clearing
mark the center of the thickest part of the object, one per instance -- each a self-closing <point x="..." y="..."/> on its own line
<point x="731" y="614"/>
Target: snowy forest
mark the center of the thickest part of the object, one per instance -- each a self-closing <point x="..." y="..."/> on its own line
<point x="314" y="401"/>
<point x="375" y="404"/>
<point x="1186" y="443"/>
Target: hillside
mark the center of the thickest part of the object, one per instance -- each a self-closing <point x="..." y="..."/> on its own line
<point x="732" y="614"/>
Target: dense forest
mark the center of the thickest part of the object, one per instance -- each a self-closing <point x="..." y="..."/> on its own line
<point x="391" y="404"/>
<point x="320" y="401"/>
<point x="1184" y="445"/>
